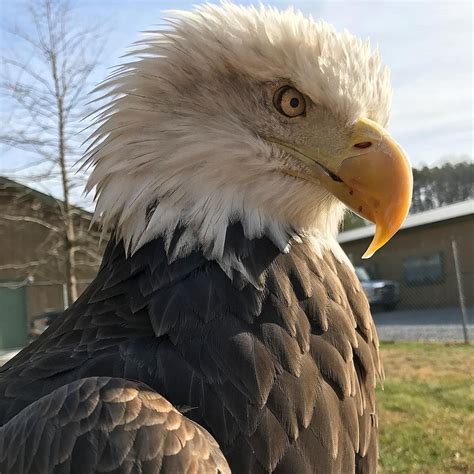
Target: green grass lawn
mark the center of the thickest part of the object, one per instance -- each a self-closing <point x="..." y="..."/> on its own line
<point x="426" y="409"/>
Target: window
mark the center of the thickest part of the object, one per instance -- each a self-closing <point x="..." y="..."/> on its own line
<point x="423" y="269"/>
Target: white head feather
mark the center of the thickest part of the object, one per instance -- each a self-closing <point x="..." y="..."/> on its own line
<point x="176" y="144"/>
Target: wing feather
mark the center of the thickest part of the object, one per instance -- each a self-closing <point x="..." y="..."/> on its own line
<point x="128" y="425"/>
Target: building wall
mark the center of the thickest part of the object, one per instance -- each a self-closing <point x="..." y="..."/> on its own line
<point x="388" y="262"/>
<point x="34" y="250"/>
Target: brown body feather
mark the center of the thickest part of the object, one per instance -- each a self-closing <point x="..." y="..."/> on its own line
<point x="281" y="373"/>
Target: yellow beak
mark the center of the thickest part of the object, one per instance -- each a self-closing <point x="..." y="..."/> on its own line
<point x="377" y="184"/>
<point x="373" y="178"/>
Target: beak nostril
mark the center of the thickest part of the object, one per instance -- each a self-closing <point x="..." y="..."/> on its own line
<point x="363" y="145"/>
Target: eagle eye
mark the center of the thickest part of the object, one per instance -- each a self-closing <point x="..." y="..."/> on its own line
<point x="289" y="101"/>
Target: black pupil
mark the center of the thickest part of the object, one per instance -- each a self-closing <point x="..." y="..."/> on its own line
<point x="294" y="102"/>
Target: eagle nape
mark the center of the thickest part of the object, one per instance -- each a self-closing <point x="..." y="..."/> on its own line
<point x="226" y="330"/>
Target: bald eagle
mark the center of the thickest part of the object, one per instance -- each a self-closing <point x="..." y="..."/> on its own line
<point x="226" y="329"/>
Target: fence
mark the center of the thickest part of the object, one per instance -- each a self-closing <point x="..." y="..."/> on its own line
<point x="422" y="284"/>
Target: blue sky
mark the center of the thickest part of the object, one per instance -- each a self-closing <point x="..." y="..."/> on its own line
<point x="428" y="46"/>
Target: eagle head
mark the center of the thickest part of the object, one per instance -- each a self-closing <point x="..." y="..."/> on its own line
<point x="237" y="114"/>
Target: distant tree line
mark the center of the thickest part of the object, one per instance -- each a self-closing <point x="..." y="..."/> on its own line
<point x="442" y="185"/>
<point x="432" y="188"/>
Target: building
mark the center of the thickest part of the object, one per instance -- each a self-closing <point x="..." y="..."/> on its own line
<point x="32" y="257"/>
<point x="420" y="256"/>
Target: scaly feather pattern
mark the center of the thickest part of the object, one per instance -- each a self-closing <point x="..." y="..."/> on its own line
<point x="276" y="366"/>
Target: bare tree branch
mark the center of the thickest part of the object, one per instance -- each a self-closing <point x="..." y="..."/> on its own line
<point x="30" y="219"/>
<point x="46" y="85"/>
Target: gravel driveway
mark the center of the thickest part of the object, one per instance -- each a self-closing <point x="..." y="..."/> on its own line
<point x="423" y="325"/>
